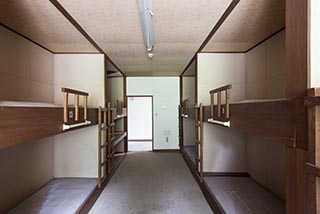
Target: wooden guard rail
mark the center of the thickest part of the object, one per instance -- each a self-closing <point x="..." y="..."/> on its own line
<point x="66" y="92"/>
<point x="220" y="111"/>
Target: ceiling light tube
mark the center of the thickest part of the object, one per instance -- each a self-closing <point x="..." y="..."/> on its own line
<point x="146" y="18"/>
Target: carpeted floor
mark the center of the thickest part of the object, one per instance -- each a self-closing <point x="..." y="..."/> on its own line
<point x="148" y="182"/>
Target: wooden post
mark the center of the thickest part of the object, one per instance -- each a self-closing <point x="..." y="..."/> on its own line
<point x="65" y="107"/>
<point x="109" y="137"/>
<point x="212" y="104"/>
<point x="85" y="107"/>
<point x="99" y="147"/>
<point x="201" y="142"/>
<point x="228" y="103"/>
<point x="76" y="107"/>
<point x="219" y="103"/>
<point x="105" y="142"/>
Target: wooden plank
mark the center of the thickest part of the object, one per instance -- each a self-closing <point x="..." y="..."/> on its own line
<point x="73" y="91"/>
<point x="312" y="101"/>
<point x="271" y="120"/>
<point x="297" y="42"/>
<point x="313" y="169"/>
<point x="25" y="124"/>
<point x="222" y="88"/>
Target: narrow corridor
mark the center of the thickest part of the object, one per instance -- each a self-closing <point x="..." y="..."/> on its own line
<point x="148" y="182"/>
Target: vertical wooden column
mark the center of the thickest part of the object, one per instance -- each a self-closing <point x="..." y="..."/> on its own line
<point x="105" y="142"/>
<point x="76" y="107"/>
<point x="85" y="107"/>
<point x="212" y="104"/>
<point x="219" y="104"/>
<point x="201" y="141"/>
<point x="314" y="154"/>
<point x="99" y="147"/>
<point x="125" y="105"/>
<point x="109" y="137"/>
<point x="180" y="113"/>
<point x="297" y="82"/>
<point x="65" y="107"/>
<point x="227" y="104"/>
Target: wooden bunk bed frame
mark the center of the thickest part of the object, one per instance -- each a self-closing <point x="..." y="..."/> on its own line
<point x="108" y="140"/>
<point x="20" y="124"/>
<point x="272" y="119"/>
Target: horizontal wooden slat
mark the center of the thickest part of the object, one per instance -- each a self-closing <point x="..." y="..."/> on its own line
<point x="26" y="124"/>
<point x="73" y="91"/>
<point x="312" y="169"/>
<point x="312" y="101"/>
<point x="282" y="121"/>
<point x="221" y="89"/>
<point x="118" y="138"/>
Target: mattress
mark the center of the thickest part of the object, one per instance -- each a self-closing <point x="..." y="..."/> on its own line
<point x="62" y="195"/>
<point x="191" y="152"/>
<point x="26" y="104"/>
<point x="243" y="195"/>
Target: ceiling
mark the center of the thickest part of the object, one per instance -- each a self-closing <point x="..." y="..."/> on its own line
<point x="249" y="23"/>
<point x="180" y="26"/>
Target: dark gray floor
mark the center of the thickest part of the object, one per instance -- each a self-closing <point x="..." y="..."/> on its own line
<point x="148" y="182"/>
<point x="191" y="152"/>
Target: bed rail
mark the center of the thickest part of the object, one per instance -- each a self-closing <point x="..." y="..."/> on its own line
<point x="220" y="113"/>
<point x="68" y="115"/>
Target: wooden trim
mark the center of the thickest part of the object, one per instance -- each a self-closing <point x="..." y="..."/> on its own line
<point x="27" y="38"/>
<point x="98" y="53"/>
<point x="72" y="91"/>
<point x="224" y="16"/>
<point x="226" y="174"/>
<point x="97" y="191"/>
<point x="166" y="150"/>
<point x="269" y="37"/>
<point x="223" y="88"/>
<point x="313" y="169"/>
<point x="68" y="16"/>
<point x="312" y="101"/>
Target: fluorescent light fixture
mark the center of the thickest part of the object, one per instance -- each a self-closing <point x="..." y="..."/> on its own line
<point x="146" y="17"/>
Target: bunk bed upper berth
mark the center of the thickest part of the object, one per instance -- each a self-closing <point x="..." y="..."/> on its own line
<point x="28" y="121"/>
<point x="274" y="119"/>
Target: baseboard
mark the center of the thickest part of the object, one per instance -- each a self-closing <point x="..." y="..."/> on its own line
<point x="226" y="174"/>
<point x="166" y="150"/>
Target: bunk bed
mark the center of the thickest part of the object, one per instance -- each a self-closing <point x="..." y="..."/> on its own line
<point x="273" y="119"/>
<point x="29" y="121"/>
<point x="109" y="140"/>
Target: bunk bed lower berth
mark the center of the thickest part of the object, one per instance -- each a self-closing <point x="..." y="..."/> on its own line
<point x="23" y="122"/>
<point x="274" y="119"/>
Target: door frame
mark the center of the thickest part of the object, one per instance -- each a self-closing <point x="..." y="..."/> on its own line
<point x="152" y="116"/>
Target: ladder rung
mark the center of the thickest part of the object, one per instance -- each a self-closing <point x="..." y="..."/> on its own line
<point x="198" y="124"/>
<point x="198" y="159"/>
<point x="103" y="163"/>
<point x="198" y="141"/>
<point x="103" y="145"/>
<point x="112" y="124"/>
<point x="104" y="128"/>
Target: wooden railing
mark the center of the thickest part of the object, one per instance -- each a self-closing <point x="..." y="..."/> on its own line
<point x="74" y="116"/>
<point x="219" y="112"/>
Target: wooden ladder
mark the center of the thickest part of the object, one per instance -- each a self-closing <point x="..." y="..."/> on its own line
<point x="102" y="145"/>
<point x="199" y="141"/>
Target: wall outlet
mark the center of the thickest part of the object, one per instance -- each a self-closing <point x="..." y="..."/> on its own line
<point x="167" y="139"/>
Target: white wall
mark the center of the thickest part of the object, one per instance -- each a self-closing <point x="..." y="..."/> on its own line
<point x="76" y="153"/>
<point x="224" y="149"/>
<point x="315" y="43"/>
<point x="140" y="118"/>
<point x="25" y="75"/>
<point x="265" y="69"/>
<point x="264" y="80"/>
<point x="165" y="91"/>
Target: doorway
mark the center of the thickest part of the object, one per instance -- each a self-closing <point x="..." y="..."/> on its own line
<point x="140" y="123"/>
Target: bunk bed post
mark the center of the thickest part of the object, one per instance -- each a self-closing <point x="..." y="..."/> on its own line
<point x="212" y="104"/>
<point x="297" y="83"/>
<point x="197" y="138"/>
<point x="105" y="142"/>
<point x="76" y="107"/>
<point x="228" y="103"/>
<point x="99" y="147"/>
<point x="65" y="107"/>
<point x="219" y="104"/>
<point x="109" y="137"/>
<point x="201" y="142"/>
<point x="85" y="107"/>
